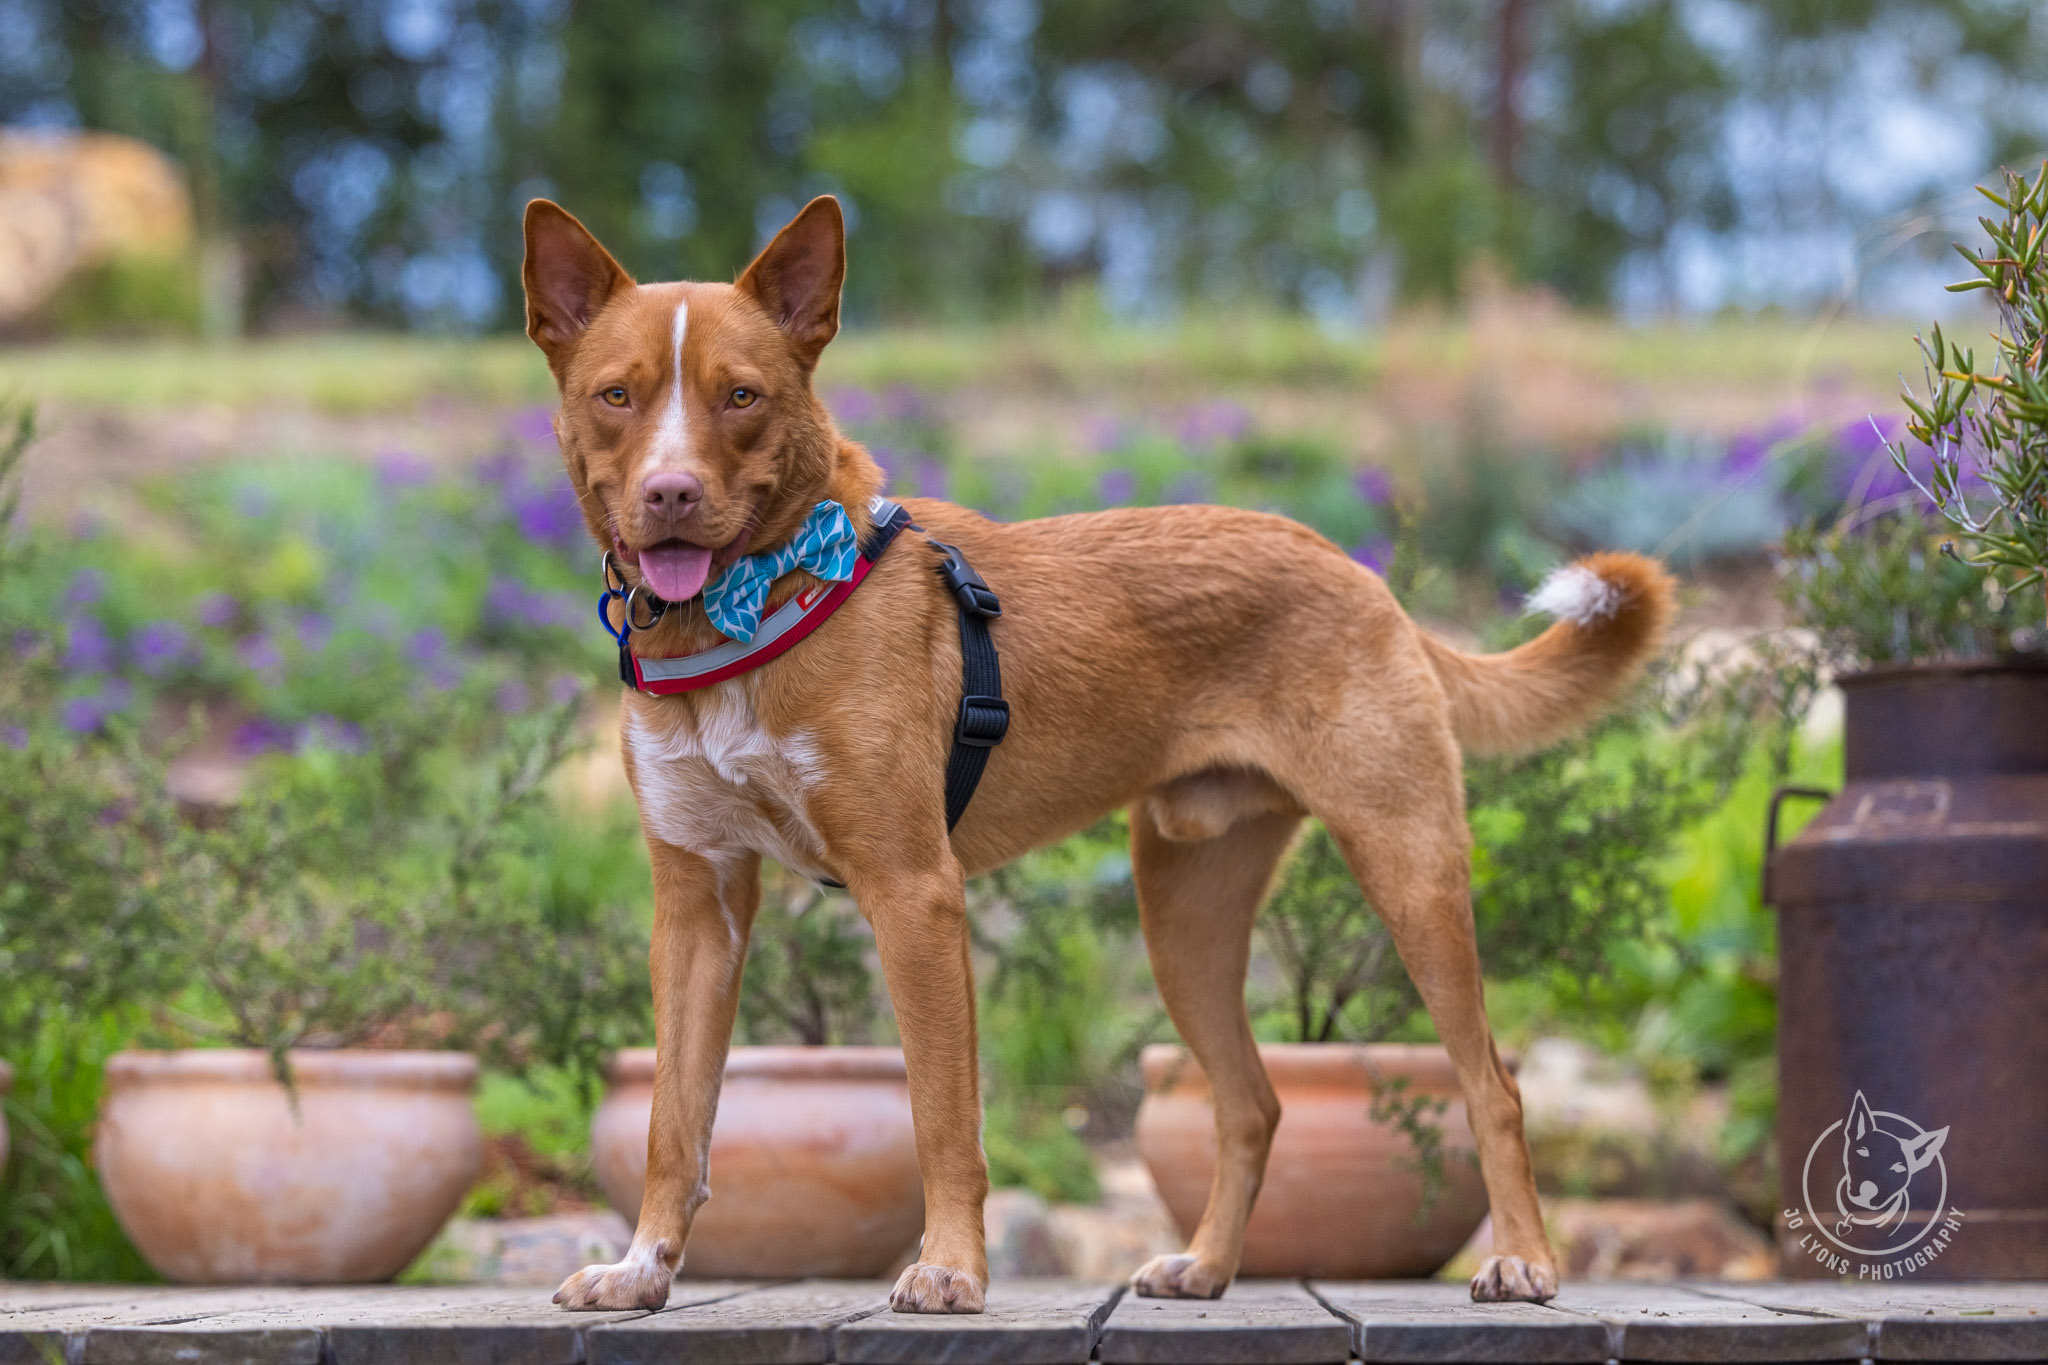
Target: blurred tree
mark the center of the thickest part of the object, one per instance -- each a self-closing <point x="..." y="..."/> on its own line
<point x="370" y="155"/>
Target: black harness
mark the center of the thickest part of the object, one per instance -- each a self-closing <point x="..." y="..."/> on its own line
<point x="983" y="718"/>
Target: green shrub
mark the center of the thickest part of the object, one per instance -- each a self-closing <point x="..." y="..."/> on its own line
<point x="130" y="295"/>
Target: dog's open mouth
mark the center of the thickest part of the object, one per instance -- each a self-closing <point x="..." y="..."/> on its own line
<point x="675" y="568"/>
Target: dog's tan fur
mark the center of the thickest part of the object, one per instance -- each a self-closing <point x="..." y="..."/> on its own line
<point x="1220" y="673"/>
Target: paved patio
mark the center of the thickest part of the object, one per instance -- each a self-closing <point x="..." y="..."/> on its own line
<point x="1029" y="1322"/>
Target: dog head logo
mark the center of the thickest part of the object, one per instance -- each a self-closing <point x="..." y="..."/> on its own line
<point x="1887" y="1169"/>
<point x="1878" y="1166"/>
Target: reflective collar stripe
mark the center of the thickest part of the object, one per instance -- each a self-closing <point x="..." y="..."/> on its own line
<point x="786" y="625"/>
<point x="789" y="623"/>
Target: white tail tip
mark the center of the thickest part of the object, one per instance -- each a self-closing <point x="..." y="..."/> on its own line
<point x="1576" y="594"/>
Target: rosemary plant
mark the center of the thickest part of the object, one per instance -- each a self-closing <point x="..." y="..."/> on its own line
<point x="1987" y="425"/>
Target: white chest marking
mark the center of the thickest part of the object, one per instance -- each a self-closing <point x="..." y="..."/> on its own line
<point x="671" y="439"/>
<point x="704" y="780"/>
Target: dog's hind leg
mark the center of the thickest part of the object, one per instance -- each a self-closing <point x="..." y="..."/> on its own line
<point x="1400" y="820"/>
<point x="1196" y="903"/>
<point x="703" y="912"/>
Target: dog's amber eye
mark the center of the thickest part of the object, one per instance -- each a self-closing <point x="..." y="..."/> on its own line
<point x="615" y="396"/>
<point x="743" y="398"/>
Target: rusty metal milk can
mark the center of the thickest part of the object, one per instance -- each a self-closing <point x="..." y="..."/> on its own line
<point x="1913" y="986"/>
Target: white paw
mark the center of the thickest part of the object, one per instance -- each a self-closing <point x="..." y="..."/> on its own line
<point x="1179" y="1276"/>
<point x="639" y="1281"/>
<point x="1510" y="1279"/>
<point x="927" y="1288"/>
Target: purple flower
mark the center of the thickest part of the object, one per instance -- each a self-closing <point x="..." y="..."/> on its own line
<point x="509" y="602"/>
<point x="114" y="813"/>
<point x="547" y="513"/>
<point x="262" y="735"/>
<point x="159" y="646"/>
<point x="1107" y="435"/>
<point x="426" y="646"/>
<point x="217" y="610"/>
<point x="26" y="642"/>
<point x="330" y="733"/>
<point x="315" y="631"/>
<point x="1192" y="486"/>
<point x="1203" y="424"/>
<point x="512" y="697"/>
<point x="14" y="736"/>
<point x="501" y="469"/>
<point x="259" y="653"/>
<point x="1374" y="554"/>
<point x="1748" y="450"/>
<point x="854" y="407"/>
<point x="87" y="587"/>
<point x="88" y="649"/>
<point x="1116" y="487"/>
<point x="535" y="426"/>
<point x="931" y="478"/>
<point x="1373" y="485"/>
<point x="886" y="458"/>
<point x="81" y="715"/>
<point x="566" y="687"/>
<point x="1864" y="465"/>
<point x="902" y="403"/>
<point x="403" y="469"/>
<point x="87" y="526"/>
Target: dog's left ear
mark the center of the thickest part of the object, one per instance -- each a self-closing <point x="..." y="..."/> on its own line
<point x="797" y="277"/>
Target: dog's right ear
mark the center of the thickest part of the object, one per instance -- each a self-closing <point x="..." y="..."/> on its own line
<point x="569" y="277"/>
<point x="1860" y="1120"/>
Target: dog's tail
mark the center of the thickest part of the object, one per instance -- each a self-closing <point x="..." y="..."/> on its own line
<point x="1612" y="611"/>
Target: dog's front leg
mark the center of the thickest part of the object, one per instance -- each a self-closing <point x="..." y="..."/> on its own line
<point x="920" y="922"/>
<point x="703" y="911"/>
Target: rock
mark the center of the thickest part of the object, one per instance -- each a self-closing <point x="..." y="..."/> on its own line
<point x="538" y="1251"/>
<point x="1128" y="1226"/>
<point x="1641" y="1239"/>
<point x="1106" y="1240"/>
<point x="1595" y="1131"/>
<point x="1020" y="1242"/>
<point x="73" y="200"/>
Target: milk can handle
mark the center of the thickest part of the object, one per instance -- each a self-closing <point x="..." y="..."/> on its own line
<point x="1778" y="799"/>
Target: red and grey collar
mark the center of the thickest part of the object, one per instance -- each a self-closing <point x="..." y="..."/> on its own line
<point x="983" y="718"/>
<point x="786" y="625"/>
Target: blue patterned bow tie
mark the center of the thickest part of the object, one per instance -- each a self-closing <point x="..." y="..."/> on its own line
<point x="825" y="546"/>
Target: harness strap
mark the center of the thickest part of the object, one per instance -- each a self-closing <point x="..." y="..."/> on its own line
<point x="984" y="716"/>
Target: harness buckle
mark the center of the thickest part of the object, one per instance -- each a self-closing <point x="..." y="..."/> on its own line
<point x="975" y="596"/>
<point x="983" y="722"/>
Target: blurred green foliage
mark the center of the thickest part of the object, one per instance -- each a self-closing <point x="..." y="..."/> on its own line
<point x="128" y="296"/>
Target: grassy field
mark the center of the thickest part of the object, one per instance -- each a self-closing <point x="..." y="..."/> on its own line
<point x="355" y="373"/>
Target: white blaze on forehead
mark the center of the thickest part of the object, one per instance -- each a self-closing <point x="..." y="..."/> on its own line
<point x="671" y="442"/>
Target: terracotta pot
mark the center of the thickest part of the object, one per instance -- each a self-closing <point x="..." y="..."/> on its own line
<point x="813" y="1162"/>
<point x="217" y="1179"/>
<point x="1342" y="1192"/>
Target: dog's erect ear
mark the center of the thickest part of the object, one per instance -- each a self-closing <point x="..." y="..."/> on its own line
<point x="568" y="276"/>
<point x="1860" y="1121"/>
<point x="797" y="277"/>
<point x="1923" y="1149"/>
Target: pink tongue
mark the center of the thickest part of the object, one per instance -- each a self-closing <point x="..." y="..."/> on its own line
<point x="675" y="569"/>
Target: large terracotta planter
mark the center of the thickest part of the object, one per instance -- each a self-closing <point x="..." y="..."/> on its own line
<point x="1342" y="1192"/>
<point x="218" y="1177"/>
<point x="813" y="1161"/>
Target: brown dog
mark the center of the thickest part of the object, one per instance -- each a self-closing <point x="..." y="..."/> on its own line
<point x="1220" y="673"/>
